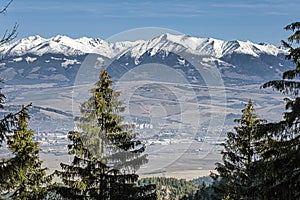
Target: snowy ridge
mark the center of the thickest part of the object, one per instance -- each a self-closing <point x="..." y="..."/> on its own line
<point x="64" y="45"/>
<point x="204" y="46"/>
<point x="169" y="43"/>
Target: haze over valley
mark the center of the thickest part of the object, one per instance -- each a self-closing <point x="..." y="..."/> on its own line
<point x="181" y="92"/>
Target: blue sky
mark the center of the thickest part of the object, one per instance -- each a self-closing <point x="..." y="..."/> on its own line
<point x="257" y="21"/>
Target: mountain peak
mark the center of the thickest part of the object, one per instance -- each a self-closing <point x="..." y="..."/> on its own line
<point x="59" y="38"/>
<point x="167" y="42"/>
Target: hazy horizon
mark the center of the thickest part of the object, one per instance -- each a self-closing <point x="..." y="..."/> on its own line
<point x="258" y="21"/>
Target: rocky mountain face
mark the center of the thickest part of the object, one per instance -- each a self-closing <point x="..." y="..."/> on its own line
<point x="182" y="93"/>
<point x="57" y="60"/>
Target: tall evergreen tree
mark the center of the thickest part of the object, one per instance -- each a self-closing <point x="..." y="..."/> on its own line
<point x="106" y="151"/>
<point x="275" y="170"/>
<point x="282" y="152"/>
<point x="21" y="176"/>
<point x="236" y="175"/>
<point x="8" y="36"/>
<point x="2" y="125"/>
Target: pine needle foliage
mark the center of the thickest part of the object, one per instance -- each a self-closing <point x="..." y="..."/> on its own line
<point x="21" y="175"/>
<point x="105" y="149"/>
<point x="281" y="152"/>
<point x="236" y="175"/>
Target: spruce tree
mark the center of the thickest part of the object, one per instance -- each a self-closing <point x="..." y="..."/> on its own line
<point x="2" y="124"/>
<point x="7" y="37"/>
<point x="236" y="175"/>
<point x="281" y="152"/>
<point x="21" y="176"/>
<point x="106" y="151"/>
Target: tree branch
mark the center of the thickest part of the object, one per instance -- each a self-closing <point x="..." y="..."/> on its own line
<point x="7" y="37"/>
<point x="5" y="7"/>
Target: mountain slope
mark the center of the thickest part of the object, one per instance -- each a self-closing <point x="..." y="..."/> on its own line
<point x="204" y="46"/>
<point x="58" y="59"/>
<point x="37" y="45"/>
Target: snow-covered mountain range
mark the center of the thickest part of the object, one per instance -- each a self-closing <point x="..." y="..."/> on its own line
<point x="45" y="72"/>
<point x="64" y="45"/>
<point x="36" y="59"/>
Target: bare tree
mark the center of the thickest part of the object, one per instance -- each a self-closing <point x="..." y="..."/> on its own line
<point x="8" y="35"/>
